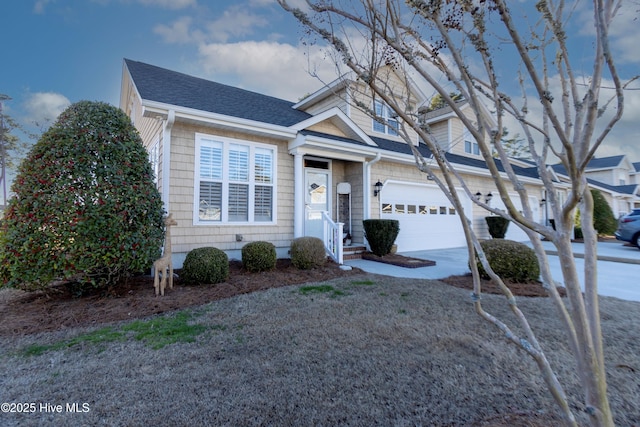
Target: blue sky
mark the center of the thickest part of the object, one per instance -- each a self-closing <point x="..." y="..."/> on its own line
<point x="60" y="51"/>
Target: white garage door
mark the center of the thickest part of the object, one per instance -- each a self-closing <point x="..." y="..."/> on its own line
<point x="427" y="218"/>
<point x="514" y="232"/>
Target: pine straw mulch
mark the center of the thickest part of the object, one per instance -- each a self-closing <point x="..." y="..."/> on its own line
<point x="58" y="308"/>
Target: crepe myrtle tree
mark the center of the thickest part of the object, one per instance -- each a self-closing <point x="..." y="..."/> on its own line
<point x="86" y="208"/>
<point x="459" y="47"/>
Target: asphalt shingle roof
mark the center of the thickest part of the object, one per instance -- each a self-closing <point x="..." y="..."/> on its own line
<point x="170" y="87"/>
<point x="605" y="162"/>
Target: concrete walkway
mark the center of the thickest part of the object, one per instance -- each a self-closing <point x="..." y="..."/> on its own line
<point x="618" y="267"/>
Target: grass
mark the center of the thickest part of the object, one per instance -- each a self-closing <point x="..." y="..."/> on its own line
<point x="160" y="332"/>
<point x="156" y="333"/>
<point x="99" y="336"/>
<point x="321" y="289"/>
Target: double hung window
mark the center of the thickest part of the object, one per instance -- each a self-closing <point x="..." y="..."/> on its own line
<point x="470" y="144"/>
<point x="385" y="121"/>
<point x="234" y="181"/>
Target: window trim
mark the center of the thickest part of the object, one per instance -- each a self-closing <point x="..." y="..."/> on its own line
<point x="211" y="140"/>
<point x="474" y="148"/>
<point x="387" y="115"/>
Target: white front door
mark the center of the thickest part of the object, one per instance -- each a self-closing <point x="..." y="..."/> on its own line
<point x="317" y="197"/>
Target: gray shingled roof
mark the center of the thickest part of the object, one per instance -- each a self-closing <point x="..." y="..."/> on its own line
<point x="170" y="87"/>
<point x="605" y="162"/>
<point x="636" y="166"/>
<point x="181" y="90"/>
<point x="621" y="189"/>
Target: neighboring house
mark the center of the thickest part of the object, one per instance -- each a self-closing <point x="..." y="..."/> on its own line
<point x="616" y="178"/>
<point x="235" y="166"/>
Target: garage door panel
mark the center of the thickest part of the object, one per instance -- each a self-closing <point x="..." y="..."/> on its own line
<point x="427" y="218"/>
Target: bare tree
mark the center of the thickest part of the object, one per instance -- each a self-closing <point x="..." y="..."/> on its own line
<point x="460" y="43"/>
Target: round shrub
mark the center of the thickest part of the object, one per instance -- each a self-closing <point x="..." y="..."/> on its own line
<point x="308" y="252"/>
<point x="259" y="256"/>
<point x="205" y="265"/>
<point x="497" y="226"/>
<point x="381" y="234"/>
<point x="510" y="260"/>
<point x="86" y="207"/>
<point x="604" y="221"/>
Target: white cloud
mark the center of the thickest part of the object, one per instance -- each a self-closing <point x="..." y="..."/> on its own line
<point x="169" y="4"/>
<point x="235" y="22"/>
<point x="268" y="67"/>
<point x="39" y="6"/>
<point x="177" y="32"/>
<point x="43" y="107"/>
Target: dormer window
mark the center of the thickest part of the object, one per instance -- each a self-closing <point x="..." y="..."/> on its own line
<point x="470" y="144"/>
<point x="388" y="123"/>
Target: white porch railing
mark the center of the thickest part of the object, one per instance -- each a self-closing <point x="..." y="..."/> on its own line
<point x="332" y="238"/>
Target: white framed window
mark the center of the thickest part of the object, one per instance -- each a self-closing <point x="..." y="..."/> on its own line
<point x="470" y="144"/>
<point x="154" y="159"/>
<point x="234" y="181"/>
<point x="389" y="124"/>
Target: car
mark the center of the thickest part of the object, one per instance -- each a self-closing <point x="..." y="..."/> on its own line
<point x="629" y="228"/>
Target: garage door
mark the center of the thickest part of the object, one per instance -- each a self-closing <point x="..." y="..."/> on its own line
<point x="427" y="218"/>
<point x="514" y="232"/>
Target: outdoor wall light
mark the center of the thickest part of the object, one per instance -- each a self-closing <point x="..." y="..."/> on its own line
<point x="488" y="198"/>
<point x="478" y="195"/>
<point x="543" y="202"/>
<point x="377" y="188"/>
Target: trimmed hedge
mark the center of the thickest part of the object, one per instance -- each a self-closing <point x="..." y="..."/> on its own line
<point x="381" y="234"/>
<point x="259" y="256"/>
<point x="308" y="252"/>
<point x="497" y="226"/>
<point x="205" y="265"/>
<point x="510" y="260"/>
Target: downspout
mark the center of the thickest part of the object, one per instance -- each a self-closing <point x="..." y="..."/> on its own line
<point x="366" y="190"/>
<point x="166" y="158"/>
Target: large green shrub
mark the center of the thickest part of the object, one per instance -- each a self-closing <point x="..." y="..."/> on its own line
<point x="510" y="260"/>
<point x="603" y="220"/>
<point x="381" y="233"/>
<point x="259" y="256"/>
<point x="497" y="226"/>
<point x="308" y="252"/>
<point x="86" y="208"/>
<point x="205" y="265"/>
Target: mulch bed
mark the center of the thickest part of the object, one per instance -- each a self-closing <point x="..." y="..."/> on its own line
<point x="399" y="260"/>
<point x="59" y="308"/>
<point x="528" y="289"/>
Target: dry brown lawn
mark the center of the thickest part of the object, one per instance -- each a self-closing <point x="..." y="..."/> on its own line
<point x="359" y="350"/>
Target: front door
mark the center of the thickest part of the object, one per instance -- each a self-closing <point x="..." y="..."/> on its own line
<point x="317" y="194"/>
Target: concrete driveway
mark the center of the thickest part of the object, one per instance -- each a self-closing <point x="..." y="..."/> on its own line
<point x="618" y="267"/>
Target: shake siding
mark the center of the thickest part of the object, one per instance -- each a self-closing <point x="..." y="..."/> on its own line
<point x="457" y="138"/>
<point x="186" y="235"/>
<point x="440" y="132"/>
<point x="606" y="176"/>
<point x="327" y="127"/>
<point x="337" y="100"/>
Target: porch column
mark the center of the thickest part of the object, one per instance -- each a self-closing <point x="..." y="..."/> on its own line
<point x="298" y="194"/>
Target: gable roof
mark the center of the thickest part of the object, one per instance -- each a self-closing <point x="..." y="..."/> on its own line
<point x="605" y="162"/>
<point x="636" y="166"/>
<point x="174" y="88"/>
<point x="629" y="189"/>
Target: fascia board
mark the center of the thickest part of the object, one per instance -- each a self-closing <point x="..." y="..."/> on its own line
<point x="334" y="112"/>
<point x="337" y="84"/>
<point x="218" y="119"/>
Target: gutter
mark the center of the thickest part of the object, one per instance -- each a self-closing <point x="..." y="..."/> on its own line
<point x="166" y="157"/>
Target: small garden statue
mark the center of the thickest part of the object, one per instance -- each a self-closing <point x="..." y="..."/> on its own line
<point x="164" y="265"/>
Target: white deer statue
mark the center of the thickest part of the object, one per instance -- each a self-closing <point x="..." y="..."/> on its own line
<point x="163" y="266"/>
